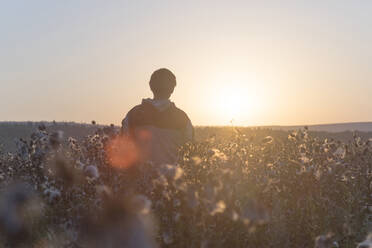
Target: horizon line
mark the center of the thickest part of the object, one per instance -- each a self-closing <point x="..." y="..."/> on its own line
<point x="231" y="125"/>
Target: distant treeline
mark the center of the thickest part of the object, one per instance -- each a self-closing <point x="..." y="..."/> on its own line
<point x="10" y="131"/>
<point x="259" y="132"/>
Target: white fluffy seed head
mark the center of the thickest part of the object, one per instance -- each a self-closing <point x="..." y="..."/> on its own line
<point x="91" y="171"/>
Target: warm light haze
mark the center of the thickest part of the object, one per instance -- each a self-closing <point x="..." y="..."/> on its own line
<point x="240" y="62"/>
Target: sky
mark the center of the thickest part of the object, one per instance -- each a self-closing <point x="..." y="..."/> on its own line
<point x="236" y="62"/>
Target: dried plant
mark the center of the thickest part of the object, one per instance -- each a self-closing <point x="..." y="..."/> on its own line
<point x="251" y="188"/>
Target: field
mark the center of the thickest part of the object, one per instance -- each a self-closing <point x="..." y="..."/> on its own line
<point x="233" y="187"/>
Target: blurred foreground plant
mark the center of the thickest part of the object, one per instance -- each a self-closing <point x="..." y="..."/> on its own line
<point x="254" y="188"/>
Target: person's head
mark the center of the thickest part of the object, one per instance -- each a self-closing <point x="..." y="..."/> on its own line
<point x="162" y="83"/>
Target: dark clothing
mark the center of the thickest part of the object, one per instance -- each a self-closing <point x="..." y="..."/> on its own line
<point x="146" y="114"/>
<point x="159" y="128"/>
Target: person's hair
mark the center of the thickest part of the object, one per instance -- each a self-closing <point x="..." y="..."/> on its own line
<point x="162" y="82"/>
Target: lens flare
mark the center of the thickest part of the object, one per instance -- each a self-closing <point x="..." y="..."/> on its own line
<point x="122" y="152"/>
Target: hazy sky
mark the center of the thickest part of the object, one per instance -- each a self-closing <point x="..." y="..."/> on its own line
<point x="258" y="62"/>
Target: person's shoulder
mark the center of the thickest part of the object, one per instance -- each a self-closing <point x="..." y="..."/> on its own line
<point x="132" y="112"/>
<point x="180" y="113"/>
<point x="138" y="109"/>
<point x="135" y="108"/>
<point x="186" y="124"/>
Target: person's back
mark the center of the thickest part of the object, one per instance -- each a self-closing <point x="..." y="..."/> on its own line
<point x="157" y="126"/>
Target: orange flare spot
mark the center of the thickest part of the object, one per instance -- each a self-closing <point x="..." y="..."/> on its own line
<point x="122" y="152"/>
<point x="144" y="135"/>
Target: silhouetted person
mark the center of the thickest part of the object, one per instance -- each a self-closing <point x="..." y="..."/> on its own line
<point x="157" y="126"/>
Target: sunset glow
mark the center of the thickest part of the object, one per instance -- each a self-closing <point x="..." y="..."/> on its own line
<point x="196" y="123"/>
<point x="258" y="63"/>
<point x="236" y="101"/>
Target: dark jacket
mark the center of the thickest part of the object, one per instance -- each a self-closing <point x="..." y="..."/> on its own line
<point x="159" y="129"/>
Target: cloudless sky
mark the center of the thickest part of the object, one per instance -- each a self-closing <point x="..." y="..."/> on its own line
<point x="257" y="62"/>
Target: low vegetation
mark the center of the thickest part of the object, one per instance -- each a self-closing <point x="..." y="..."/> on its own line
<point x="232" y="188"/>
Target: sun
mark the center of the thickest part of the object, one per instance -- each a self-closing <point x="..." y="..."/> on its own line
<point x="234" y="97"/>
<point x="237" y="102"/>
